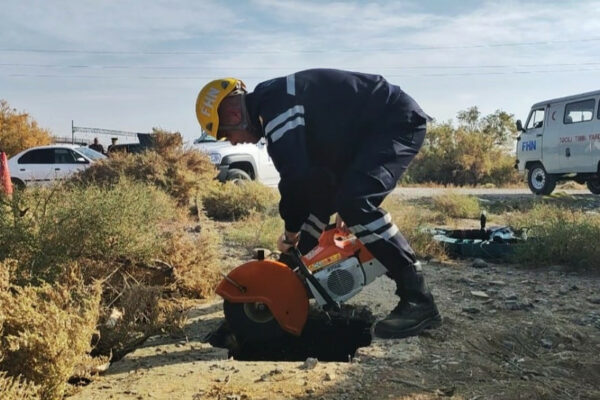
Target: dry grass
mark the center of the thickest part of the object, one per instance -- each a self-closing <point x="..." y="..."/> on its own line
<point x="571" y="185"/>
<point x="17" y="388"/>
<point x="232" y="201"/>
<point x="255" y="230"/>
<point x="412" y="222"/>
<point x="455" y="205"/>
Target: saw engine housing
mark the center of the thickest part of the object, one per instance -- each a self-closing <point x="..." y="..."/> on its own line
<point x="342" y="266"/>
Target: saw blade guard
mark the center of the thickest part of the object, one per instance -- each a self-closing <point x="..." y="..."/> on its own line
<point x="272" y="283"/>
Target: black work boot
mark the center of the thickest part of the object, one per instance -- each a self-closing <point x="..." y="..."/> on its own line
<point x="414" y="313"/>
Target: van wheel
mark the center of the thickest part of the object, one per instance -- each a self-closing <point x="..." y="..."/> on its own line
<point x="237" y="175"/>
<point x="540" y="182"/>
<point x="594" y="185"/>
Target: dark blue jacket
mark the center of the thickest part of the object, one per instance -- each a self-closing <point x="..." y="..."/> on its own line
<point x="315" y="121"/>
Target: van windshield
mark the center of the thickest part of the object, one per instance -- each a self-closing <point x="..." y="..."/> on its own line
<point x="536" y="119"/>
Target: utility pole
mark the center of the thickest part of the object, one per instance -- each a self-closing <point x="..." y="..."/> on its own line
<point x="72" y="133"/>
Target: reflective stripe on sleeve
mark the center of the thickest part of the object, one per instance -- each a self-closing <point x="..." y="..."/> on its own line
<point x="275" y="136"/>
<point x="298" y="109"/>
<point x="291" y="84"/>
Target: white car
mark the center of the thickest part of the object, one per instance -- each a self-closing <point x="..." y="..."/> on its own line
<point x="239" y="162"/>
<point x="46" y="164"/>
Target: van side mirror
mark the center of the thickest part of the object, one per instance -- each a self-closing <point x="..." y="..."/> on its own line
<point x="520" y="126"/>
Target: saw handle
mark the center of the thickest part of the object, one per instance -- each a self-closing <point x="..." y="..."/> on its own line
<point x="296" y="258"/>
<point x="336" y="236"/>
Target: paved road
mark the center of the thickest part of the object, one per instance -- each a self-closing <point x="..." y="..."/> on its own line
<point x="417" y="192"/>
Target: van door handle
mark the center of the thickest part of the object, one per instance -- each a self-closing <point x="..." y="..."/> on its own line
<point x="539" y="135"/>
<point x="57" y="169"/>
<point x="22" y="169"/>
<point x="568" y="152"/>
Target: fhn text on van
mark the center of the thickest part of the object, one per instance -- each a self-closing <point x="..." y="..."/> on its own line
<point x="528" y="146"/>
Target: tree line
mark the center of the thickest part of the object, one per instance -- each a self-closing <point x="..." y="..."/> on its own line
<point x="476" y="150"/>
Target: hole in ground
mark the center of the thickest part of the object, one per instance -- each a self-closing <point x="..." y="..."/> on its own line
<point x="334" y="338"/>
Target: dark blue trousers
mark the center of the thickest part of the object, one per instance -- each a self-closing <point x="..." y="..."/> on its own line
<point x="357" y="196"/>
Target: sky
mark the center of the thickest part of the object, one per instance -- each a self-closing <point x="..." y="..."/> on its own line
<point x="138" y="64"/>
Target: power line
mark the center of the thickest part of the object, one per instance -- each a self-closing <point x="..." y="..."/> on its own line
<point x="184" y="67"/>
<point x="306" y="51"/>
<point x="200" y="77"/>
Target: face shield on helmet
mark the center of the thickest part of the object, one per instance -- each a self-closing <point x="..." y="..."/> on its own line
<point x="209" y="99"/>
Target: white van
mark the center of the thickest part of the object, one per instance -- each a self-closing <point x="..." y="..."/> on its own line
<point x="561" y="141"/>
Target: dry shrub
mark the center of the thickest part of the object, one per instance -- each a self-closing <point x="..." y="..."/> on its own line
<point x="147" y="294"/>
<point x="17" y="388"/>
<point x="232" y="201"/>
<point x="195" y="260"/>
<point x="457" y="205"/>
<point x="558" y="236"/>
<point x="46" y="332"/>
<point x="141" y="311"/>
<point x="7" y="268"/>
<point x="19" y="131"/>
<point x="165" y="142"/>
<point x="138" y="309"/>
<point x="182" y="173"/>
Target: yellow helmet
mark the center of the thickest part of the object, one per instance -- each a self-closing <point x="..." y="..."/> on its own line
<point x="210" y="98"/>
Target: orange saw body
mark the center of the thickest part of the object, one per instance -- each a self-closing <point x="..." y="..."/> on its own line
<point x="263" y="297"/>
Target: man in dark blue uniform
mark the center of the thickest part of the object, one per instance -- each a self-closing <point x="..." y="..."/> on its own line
<point x="340" y="141"/>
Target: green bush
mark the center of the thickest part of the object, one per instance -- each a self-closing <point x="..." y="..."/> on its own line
<point x="473" y="153"/>
<point x="232" y="201"/>
<point x="72" y="222"/>
<point x="558" y="236"/>
<point x="456" y="205"/>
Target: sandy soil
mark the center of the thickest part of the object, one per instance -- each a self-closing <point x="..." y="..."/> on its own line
<point x="508" y="333"/>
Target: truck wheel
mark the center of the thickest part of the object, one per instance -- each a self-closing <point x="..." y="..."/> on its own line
<point x="252" y="322"/>
<point x="540" y="182"/>
<point x="17" y="184"/>
<point x="236" y="175"/>
<point x="594" y="185"/>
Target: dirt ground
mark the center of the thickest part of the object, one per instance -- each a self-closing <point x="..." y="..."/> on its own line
<point x="508" y="333"/>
